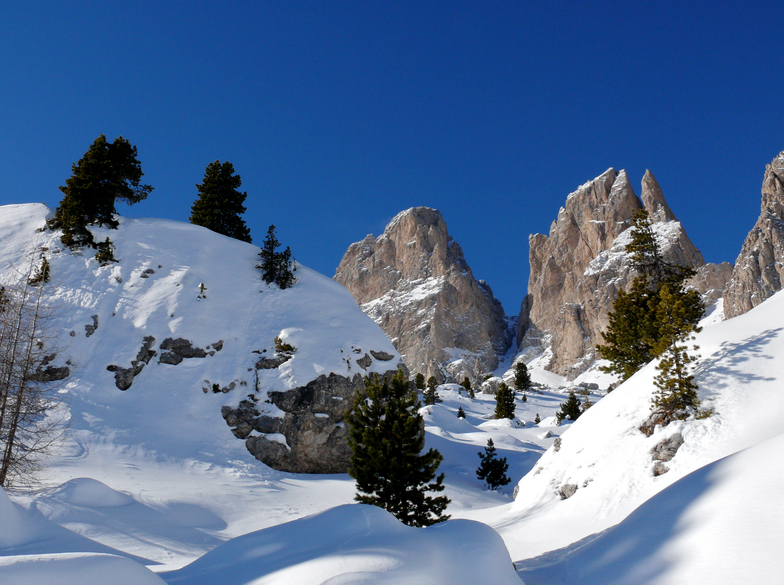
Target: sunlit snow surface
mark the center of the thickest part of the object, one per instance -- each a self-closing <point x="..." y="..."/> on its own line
<point x="153" y="476"/>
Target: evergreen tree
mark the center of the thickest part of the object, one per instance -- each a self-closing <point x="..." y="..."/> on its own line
<point x="634" y="336"/>
<point x="467" y="385"/>
<point x="491" y="469"/>
<point x="522" y="379"/>
<point x="537" y="420"/>
<point x="277" y="267"/>
<point x="570" y="409"/>
<point x="419" y="381"/>
<point x="107" y="172"/>
<point x="387" y="436"/>
<point x="431" y="394"/>
<point x="504" y="402"/>
<point x="460" y="412"/>
<point x="220" y="204"/>
<point x="677" y="391"/>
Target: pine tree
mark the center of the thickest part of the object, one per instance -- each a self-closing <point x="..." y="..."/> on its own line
<point x="570" y="409"/>
<point x="522" y="379"/>
<point x="220" y="204"/>
<point x="677" y="391"/>
<point x="634" y="337"/>
<point x="504" y="402"/>
<point x="107" y="172"/>
<point x="387" y="436"/>
<point x="537" y="420"/>
<point x="431" y="394"/>
<point x="467" y="385"/>
<point x="419" y="381"/>
<point x="277" y="267"/>
<point x="460" y="412"/>
<point x="491" y="469"/>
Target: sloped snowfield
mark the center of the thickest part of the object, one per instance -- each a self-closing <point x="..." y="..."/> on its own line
<point x="150" y="486"/>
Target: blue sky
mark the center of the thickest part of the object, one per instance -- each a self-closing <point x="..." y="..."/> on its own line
<point x="337" y="115"/>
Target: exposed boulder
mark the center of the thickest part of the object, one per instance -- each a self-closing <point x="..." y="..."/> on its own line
<point x="578" y="269"/>
<point x="759" y="268"/>
<point x="666" y="449"/>
<point x="90" y="328"/>
<point x="312" y="436"/>
<point x="179" y="349"/>
<point x="415" y="283"/>
<point x="123" y="377"/>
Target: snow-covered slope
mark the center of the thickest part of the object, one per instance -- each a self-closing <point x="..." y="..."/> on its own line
<point x="606" y="457"/>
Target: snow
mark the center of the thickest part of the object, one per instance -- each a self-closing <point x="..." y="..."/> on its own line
<point x="150" y="485"/>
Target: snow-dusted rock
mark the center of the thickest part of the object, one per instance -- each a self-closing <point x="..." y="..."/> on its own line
<point x="578" y="269"/>
<point x="759" y="268"/>
<point x="415" y="283"/>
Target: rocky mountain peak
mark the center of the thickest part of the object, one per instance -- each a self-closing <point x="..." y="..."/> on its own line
<point x="759" y="268"/>
<point x="413" y="280"/>
<point x="577" y="270"/>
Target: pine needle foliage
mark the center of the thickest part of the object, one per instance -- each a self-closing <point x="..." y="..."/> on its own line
<point x="504" y="402"/>
<point x="430" y="394"/>
<point x="635" y="334"/>
<point x="492" y="470"/>
<point x="277" y="267"/>
<point x="522" y="379"/>
<point x="220" y="203"/>
<point x="469" y="389"/>
<point x="106" y="173"/>
<point x="571" y="409"/>
<point x="387" y="436"/>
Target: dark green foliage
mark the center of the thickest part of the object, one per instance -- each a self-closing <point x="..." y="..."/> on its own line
<point x="282" y="348"/>
<point x="677" y="391"/>
<point x="277" y="267"/>
<point x="504" y="402"/>
<point x="42" y="274"/>
<point x="220" y="204"/>
<point x="537" y="420"/>
<point x="419" y="381"/>
<point x="467" y="385"/>
<point x="635" y="335"/>
<point x="460" y="412"/>
<point x="522" y="379"/>
<point x="431" y="394"/>
<point x="105" y="253"/>
<point x="387" y="436"/>
<point x="107" y="172"/>
<point x="491" y="469"/>
<point x="570" y="409"/>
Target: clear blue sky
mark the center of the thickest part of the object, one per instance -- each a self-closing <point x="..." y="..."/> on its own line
<point x="337" y="115"/>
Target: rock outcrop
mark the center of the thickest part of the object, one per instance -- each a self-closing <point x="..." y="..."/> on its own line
<point x="759" y="269"/>
<point x="415" y="283"/>
<point x="578" y="269"/>
<point x="311" y="436"/>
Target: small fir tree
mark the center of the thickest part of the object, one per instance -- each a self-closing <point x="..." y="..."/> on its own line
<point x="386" y="434"/>
<point x="537" y="420"/>
<point x="419" y="381"/>
<point x="107" y="172"/>
<point x="504" y="402"/>
<point x="467" y="385"/>
<point x="431" y="393"/>
<point x="460" y="412"/>
<point x="277" y="267"/>
<point x="522" y="379"/>
<point x="570" y="409"/>
<point x="105" y="253"/>
<point x="492" y="470"/>
<point x="220" y="204"/>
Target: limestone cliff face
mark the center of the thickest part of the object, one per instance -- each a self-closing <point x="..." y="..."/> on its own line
<point x="415" y="283"/>
<point x="759" y="269"/>
<point x="577" y="270"/>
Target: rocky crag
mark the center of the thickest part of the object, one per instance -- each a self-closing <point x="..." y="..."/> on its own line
<point x="759" y="268"/>
<point x="415" y="283"/>
<point x="578" y="269"/>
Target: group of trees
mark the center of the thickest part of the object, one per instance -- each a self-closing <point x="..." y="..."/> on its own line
<point x="655" y="319"/>
<point x="111" y="172"/>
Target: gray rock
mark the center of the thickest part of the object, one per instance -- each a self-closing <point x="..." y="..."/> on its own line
<point x="218" y="346"/>
<point x="272" y="363"/>
<point x="123" y="377"/>
<point x="313" y="425"/>
<point x="381" y="356"/>
<point x="659" y="468"/>
<point x="51" y="374"/>
<point x="90" y="329"/>
<point x="557" y="444"/>
<point x="666" y="450"/>
<point x="657" y="417"/>
<point x="242" y="430"/>
<point x="171" y="358"/>
<point x="364" y="362"/>
<point x="567" y="491"/>
<point x="183" y="348"/>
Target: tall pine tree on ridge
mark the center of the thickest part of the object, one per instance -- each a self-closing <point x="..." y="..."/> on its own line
<point x="220" y="204"/>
